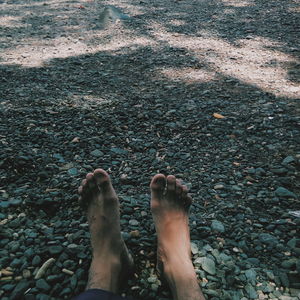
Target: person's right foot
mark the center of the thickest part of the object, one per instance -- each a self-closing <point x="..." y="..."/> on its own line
<point x="170" y="203"/>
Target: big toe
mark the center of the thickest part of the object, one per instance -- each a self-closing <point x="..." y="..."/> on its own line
<point x="157" y="185"/>
<point x="102" y="179"/>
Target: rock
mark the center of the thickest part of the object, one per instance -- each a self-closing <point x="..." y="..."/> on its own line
<point x="250" y="291"/>
<point x="55" y="249"/>
<point x="289" y="159"/>
<point x="282" y="192"/>
<point x="284" y="279"/>
<point x="36" y="260"/>
<point x="97" y="153"/>
<point x="152" y="279"/>
<point x="207" y="264"/>
<point x="254" y="261"/>
<point x="15" y="201"/>
<point x="110" y="15"/>
<point x="268" y="239"/>
<point x="118" y="151"/>
<point x="217" y="226"/>
<point x="194" y="248"/>
<point x="251" y="276"/>
<point x="42" y="285"/>
<point x="219" y="187"/>
<point x="133" y="222"/>
<point x="4" y="204"/>
<point x="73" y="171"/>
<point x="289" y="264"/>
<point x="19" y="290"/>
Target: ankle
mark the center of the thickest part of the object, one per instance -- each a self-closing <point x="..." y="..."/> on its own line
<point x="178" y="267"/>
<point x="182" y="280"/>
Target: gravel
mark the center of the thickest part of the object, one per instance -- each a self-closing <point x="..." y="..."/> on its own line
<point x="205" y="90"/>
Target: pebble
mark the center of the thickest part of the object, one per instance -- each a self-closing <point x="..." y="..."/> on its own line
<point x="207" y="264"/>
<point x="19" y="290"/>
<point x="217" y="226"/>
<point x="134" y="222"/>
<point x="289" y="159"/>
<point x="251" y="292"/>
<point x="97" y="153"/>
<point x="55" y="249"/>
<point x="73" y="172"/>
<point x="36" y="260"/>
<point x="284" y="193"/>
<point x="66" y="271"/>
<point x="42" y="285"/>
<point x="194" y="248"/>
<point x="219" y="187"/>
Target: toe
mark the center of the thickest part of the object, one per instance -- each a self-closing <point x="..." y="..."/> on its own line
<point x="178" y="189"/>
<point x="90" y="181"/>
<point x="102" y="179"/>
<point x="158" y="182"/>
<point x="187" y="199"/>
<point x="171" y="185"/>
<point x="158" y="185"/>
<point x="80" y="189"/>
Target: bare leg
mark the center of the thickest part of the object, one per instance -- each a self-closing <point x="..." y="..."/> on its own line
<point x="111" y="261"/>
<point x="169" y="205"/>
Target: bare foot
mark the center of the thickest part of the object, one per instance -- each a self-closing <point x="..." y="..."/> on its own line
<point x="111" y="261"/>
<point x="170" y="203"/>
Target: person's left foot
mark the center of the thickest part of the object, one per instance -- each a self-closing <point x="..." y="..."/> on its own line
<point x="111" y="261"/>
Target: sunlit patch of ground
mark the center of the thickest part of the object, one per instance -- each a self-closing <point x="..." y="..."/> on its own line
<point x="10" y="21"/>
<point x="256" y="61"/>
<point x="188" y="75"/>
<point x="252" y="61"/>
<point x="238" y="3"/>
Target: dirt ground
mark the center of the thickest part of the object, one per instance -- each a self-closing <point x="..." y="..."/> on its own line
<point x="136" y="93"/>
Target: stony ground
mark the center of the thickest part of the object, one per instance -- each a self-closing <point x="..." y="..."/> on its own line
<point x="207" y="90"/>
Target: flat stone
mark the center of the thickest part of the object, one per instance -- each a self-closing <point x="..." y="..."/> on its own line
<point x="97" y="153"/>
<point x="207" y="264"/>
<point x="42" y="285"/>
<point x="289" y="159"/>
<point x="19" y="290"/>
<point x="251" y="276"/>
<point x="251" y="292"/>
<point x="118" y="150"/>
<point x="282" y="192"/>
<point x="36" y="260"/>
<point x="219" y="187"/>
<point x="55" y="249"/>
<point x="133" y="222"/>
<point x="217" y="226"/>
<point x="289" y="263"/>
<point x="267" y="238"/>
<point x="194" y="248"/>
<point x="73" y="171"/>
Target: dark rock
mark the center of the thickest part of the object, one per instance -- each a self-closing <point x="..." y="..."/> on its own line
<point x="217" y="226"/>
<point x="36" y="261"/>
<point x="53" y="250"/>
<point x="289" y="159"/>
<point x="284" y="193"/>
<point x="284" y="279"/>
<point x="42" y="285"/>
<point x="19" y="290"/>
<point x="268" y="239"/>
<point x="97" y="153"/>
